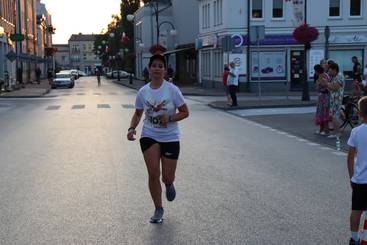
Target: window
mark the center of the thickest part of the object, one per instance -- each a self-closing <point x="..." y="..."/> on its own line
<point x="206" y="64"/>
<point x="218" y="64"/>
<point x="257" y="9"/>
<point x="343" y="59"/>
<point x="277" y="8"/>
<point x="334" y="8"/>
<point x="206" y="16"/>
<point x="355" y="7"/>
<point x="218" y="12"/>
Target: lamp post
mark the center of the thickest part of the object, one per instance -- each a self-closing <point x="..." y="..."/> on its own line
<point x="305" y="91"/>
<point x="327" y="36"/>
<point x="248" y="58"/>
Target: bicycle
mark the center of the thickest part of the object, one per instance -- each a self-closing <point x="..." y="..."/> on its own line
<point x="349" y="112"/>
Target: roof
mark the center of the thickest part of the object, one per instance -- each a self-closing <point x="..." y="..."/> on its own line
<point x="82" y="37"/>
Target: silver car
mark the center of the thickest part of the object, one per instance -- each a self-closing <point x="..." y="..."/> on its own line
<point x="63" y="79"/>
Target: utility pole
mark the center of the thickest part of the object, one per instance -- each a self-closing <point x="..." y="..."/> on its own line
<point x="156" y="20"/>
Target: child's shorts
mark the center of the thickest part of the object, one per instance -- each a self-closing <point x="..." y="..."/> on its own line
<point x="359" y="196"/>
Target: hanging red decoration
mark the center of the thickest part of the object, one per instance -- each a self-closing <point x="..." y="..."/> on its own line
<point x="157" y="49"/>
<point x="305" y="34"/>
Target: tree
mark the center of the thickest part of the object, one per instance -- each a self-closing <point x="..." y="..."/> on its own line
<point x="129" y="7"/>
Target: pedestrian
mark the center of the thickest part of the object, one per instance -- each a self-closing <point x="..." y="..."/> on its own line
<point x="322" y="117"/>
<point x="50" y="75"/>
<point x="233" y="83"/>
<point x="225" y="84"/>
<point x="159" y="100"/>
<point x="358" y="171"/>
<point x="336" y="88"/>
<point x="98" y="74"/>
<point x="38" y="75"/>
<point x="357" y="70"/>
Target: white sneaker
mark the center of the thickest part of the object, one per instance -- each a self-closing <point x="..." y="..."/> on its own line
<point x="332" y="136"/>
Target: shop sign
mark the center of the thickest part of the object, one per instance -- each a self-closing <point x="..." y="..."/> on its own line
<point x="348" y="39"/>
<point x="11" y="55"/>
<point x="17" y="37"/>
<point x="268" y="65"/>
<point x="239" y="61"/>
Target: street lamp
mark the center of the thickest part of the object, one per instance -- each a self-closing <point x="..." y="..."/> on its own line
<point x="327" y="36"/>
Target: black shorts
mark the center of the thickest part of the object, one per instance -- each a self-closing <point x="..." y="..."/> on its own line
<point x="169" y="150"/>
<point x="359" y="196"/>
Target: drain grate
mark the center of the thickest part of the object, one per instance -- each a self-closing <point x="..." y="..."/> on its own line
<point x="78" y="107"/>
<point x="80" y="93"/>
<point x="106" y="106"/>
<point x="53" y="107"/>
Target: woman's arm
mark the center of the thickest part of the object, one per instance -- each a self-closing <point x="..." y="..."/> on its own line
<point x="134" y="123"/>
<point x="183" y="112"/>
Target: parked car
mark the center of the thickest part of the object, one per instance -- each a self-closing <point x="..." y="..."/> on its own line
<point x="123" y="74"/>
<point x="63" y="79"/>
<point x="75" y="73"/>
<point x="81" y="73"/>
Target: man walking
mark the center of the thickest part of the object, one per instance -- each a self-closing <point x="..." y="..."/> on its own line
<point x="233" y="83"/>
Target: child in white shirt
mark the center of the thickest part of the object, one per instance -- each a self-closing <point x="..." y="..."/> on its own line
<point x="358" y="171"/>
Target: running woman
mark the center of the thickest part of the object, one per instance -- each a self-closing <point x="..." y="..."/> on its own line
<point x="163" y="105"/>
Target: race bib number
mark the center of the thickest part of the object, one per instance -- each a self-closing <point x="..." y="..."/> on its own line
<point x="156" y="122"/>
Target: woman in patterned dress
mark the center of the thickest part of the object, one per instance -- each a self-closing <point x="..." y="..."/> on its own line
<point x="336" y="88"/>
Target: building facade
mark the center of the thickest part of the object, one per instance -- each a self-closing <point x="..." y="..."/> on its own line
<point x="45" y="30"/>
<point x="62" y="57"/>
<point x="82" y="56"/>
<point x="177" y="34"/>
<point x="7" y="27"/>
<point x="277" y="59"/>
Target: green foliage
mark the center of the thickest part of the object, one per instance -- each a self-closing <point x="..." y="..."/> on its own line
<point x="118" y="26"/>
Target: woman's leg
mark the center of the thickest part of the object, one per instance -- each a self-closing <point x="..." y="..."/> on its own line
<point x="168" y="170"/>
<point x="152" y="160"/>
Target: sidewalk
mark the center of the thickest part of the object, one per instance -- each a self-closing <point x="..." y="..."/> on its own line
<point x="30" y="90"/>
<point x="245" y="100"/>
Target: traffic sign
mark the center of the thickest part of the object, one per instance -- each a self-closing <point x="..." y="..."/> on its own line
<point x="11" y="56"/>
<point x="17" y="37"/>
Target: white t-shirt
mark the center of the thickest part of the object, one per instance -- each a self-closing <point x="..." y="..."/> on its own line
<point x="156" y="102"/>
<point x="233" y="80"/>
<point x="358" y="139"/>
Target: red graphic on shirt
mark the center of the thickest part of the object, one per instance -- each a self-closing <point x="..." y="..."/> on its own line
<point x="156" y="108"/>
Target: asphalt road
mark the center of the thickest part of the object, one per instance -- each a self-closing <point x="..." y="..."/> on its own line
<point x="69" y="176"/>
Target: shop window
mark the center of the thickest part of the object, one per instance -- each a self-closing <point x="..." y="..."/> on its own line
<point x="257" y="9"/>
<point x="218" y="64"/>
<point x="277" y="8"/>
<point x="344" y="59"/>
<point x="334" y="8"/>
<point x="355" y="7"/>
<point x="206" y="64"/>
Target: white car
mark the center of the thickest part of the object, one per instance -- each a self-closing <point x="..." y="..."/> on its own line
<point x="63" y="79"/>
<point x="123" y="74"/>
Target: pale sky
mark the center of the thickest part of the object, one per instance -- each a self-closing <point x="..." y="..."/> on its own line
<point x="85" y="16"/>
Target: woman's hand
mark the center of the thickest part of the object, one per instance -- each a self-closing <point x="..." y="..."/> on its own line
<point x="130" y="134"/>
<point x="164" y="119"/>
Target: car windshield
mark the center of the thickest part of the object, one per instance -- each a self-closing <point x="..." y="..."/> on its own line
<point x="64" y="75"/>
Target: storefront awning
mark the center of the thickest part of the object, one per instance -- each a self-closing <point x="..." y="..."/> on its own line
<point x="176" y="51"/>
